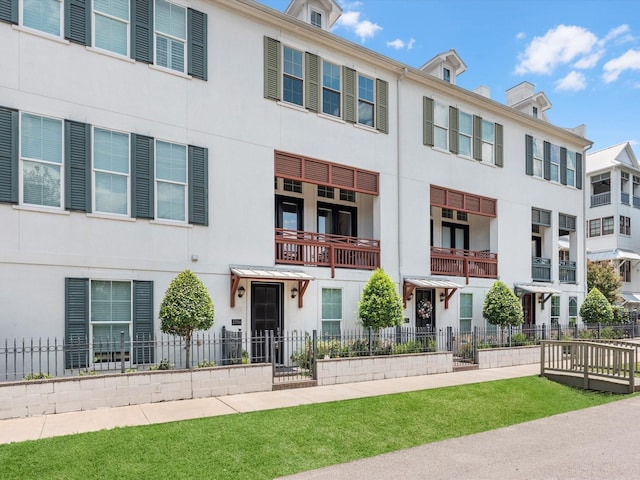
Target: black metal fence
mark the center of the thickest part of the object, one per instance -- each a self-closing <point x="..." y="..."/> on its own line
<point x="293" y="354"/>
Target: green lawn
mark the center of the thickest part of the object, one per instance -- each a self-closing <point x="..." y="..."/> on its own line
<point x="267" y="444"/>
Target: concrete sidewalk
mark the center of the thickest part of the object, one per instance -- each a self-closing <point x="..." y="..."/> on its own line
<point x="33" y="428"/>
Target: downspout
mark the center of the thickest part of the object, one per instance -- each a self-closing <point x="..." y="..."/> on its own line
<point x="584" y="219"/>
<point x="405" y="70"/>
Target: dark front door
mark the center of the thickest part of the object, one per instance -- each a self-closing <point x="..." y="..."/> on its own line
<point x="266" y="316"/>
<point x="423" y="298"/>
<point x="529" y="309"/>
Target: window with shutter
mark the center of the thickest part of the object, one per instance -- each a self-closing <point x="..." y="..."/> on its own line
<point x="427" y="121"/>
<point x="197" y="43"/>
<point x="271" y="68"/>
<point x="312" y="82"/>
<point x="365" y="101"/>
<point x="382" y="106"/>
<point x="76" y="325"/>
<point x="143" y="177"/>
<point x="111" y="25"/>
<point x="142" y="31"/>
<point x="9" y="11"/>
<point x="198" y="186"/>
<point x="43" y="15"/>
<point x="8" y="155"/>
<point x="111" y="172"/>
<point x="77" y="166"/>
<point x="331" y="89"/>
<point x="143" y="333"/>
<point x="170" y="35"/>
<point x="171" y="181"/>
<point x="77" y="21"/>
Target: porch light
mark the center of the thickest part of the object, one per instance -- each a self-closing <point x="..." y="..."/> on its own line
<point x="442" y="295"/>
<point x="294" y="292"/>
<point x="240" y="292"/>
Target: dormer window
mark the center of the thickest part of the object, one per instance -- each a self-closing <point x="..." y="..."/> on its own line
<point x="446" y="74"/>
<point x="535" y="112"/>
<point x="316" y="19"/>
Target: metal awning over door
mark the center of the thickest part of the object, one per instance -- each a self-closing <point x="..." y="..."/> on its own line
<point x="411" y="283"/>
<point x="266" y="274"/>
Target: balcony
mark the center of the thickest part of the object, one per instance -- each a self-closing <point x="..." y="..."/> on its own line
<point x="601" y="199"/>
<point x="463" y="263"/>
<point x="295" y="247"/>
<point x="541" y="269"/>
<point x="567" y="271"/>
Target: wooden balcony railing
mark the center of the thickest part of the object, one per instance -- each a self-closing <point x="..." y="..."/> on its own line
<point x="463" y="263"/>
<point x="295" y="247"/>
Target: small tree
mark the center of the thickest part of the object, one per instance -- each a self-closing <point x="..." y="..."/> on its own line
<point x="596" y="308"/>
<point x="381" y="305"/>
<point x="186" y="307"/>
<point x="502" y="307"/>
<point x="605" y="277"/>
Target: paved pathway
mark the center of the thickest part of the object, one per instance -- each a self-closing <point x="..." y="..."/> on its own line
<point x="33" y="428"/>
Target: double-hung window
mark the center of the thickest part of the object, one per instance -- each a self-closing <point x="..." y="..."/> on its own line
<point x="111" y="25"/>
<point x="41" y="160"/>
<point x="555" y="310"/>
<point x="365" y="101"/>
<point x="466" y="311"/>
<point x="594" y="227"/>
<point x="110" y="314"/>
<point x="607" y="226"/>
<point x="488" y="141"/>
<point x="465" y="134"/>
<point x="625" y="225"/>
<point x="171" y="181"/>
<point x="43" y="15"/>
<point x="571" y="168"/>
<point x="292" y="80"/>
<point x="331" y="89"/>
<point x="440" y="126"/>
<point x="538" y="158"/>
<point x="316" y="19"/>
<point x="573" y="310"/>
<point x="170" y="35"/>
<point x="555" y="163"/>
<point x="111" y="171"/>
<point x="331" y="311"/>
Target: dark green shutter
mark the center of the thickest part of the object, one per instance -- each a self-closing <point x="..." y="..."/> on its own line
<point x="143" y="338"/>
<point x="8" y="155"/>
<point x="76" y="322"/>
<point x="499" y="147"/>
<point x="197" y="44"/>
<point x="547" y="161"/>
<point x="312" y="81"/>
<point x="77" y="21"/>
<point x="272" y="53"/>
<point x="382" y="106"/>
<point x="77" y="148"/>
<point x="579" y="171"/>
<point x="477" y="138"/>
<point x="453" y="129"/>
<point x="528" y="147"/>
<point x="142" y="30"/>
<point x="563" y="165"/>
<point x="9" y="11"/>
<point x="427" y="121"/>
<point x="349" y="97"/>
<point x="142" y="167"/>
<point x="198" y="186"/>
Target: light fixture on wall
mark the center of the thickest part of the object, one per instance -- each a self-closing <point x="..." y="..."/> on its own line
<point x="442" y="295"/>
<point x="240" y="292"/>
<point x="294" y="292"/>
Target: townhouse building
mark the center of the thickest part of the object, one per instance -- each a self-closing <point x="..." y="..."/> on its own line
<point x="279" y="162"/>
<point x="613" y="199"/>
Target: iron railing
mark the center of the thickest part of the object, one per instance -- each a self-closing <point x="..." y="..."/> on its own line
<point x="567" y="271"/>
<point x="541" y="269"/>
<point x="601" y="199"/>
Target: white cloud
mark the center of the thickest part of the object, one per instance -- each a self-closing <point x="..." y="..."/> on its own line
<point x="630" y="60"/>
<point x="521" y="36"/>
<point x="364" y="29"/>
<point x="573" y="82"/>
<point x="560" y="45"/>
<point x="616" y="32"/>
<point x="399" y="44"/>
<point x="589" y="61"/>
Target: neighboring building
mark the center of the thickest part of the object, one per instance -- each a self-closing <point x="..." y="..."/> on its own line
<point x="613" y="199"/>
<point x="277" y="161"/>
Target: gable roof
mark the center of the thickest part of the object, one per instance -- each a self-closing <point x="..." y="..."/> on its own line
<point x="614" y="156"/>
<point x="450" y="57"/>
<point x="295" y="7"/>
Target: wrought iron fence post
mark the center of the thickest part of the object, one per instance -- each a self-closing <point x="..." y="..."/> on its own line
<point x="474" y="341"/>
<point x="370" y="330"/>
<point x="449" y="339"/>
<point x="121" y="351"/>
<point x="314" y="364"/>
<point x="599" y="329"/>
<point x="575" y="330"/>
<point x="272" y="348"/>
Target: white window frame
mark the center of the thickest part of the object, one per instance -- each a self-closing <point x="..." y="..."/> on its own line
<point x="461" y="318"/>
<point x="95" y="170"/>
<point x="538" y="160"/>
<point x="555" y="310"/>
<point x="157" y="180"/>
<point x="612" y="229"/>
<point x="440" y="127"/>
<point x="571" y="158"/>
<point x="366" y="101"/>
<point x="462" y="135"/>
<point x="488" y="143"/>
<point x="316" y="12"/>
<point x="339" y="320"/>
<point x="326" y="88"/>
<point x="625" y="225"/>
<point x="128" y="323"/>
<point x="127" y="22"/>
<point x="554" y="161"/>
<point x="61" y="26"/>
<point x="286" y="74"/>
<point x="23" y="159"/>
<point x="446" y="74"/>
<point x="157" y="33"/>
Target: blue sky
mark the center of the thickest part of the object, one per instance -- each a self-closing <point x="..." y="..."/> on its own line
<point x="584" y="55"/>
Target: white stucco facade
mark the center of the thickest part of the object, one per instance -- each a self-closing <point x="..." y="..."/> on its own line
<point x="242" y="131"/>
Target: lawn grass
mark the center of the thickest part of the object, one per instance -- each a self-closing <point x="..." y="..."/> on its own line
<point x="267" y="444"/>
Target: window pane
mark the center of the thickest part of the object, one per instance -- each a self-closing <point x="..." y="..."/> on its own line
<point x="365" y="88"/>
<point x="332" y="304"/>
<point x="331" y="103"/>
<point x="466" y="123"/>
<point x="171" y="19"/>
<point x="365" y="113"/>
<point x="171" y="201"/>
<point x="292" y="90"/>
<point x="487" y="151"/>
<point x="538" y="148"/>
<point x="114" y="8"/>
<point x="111" y="151"/>
<point x="171" y="162"/>
<point x="111" y="193"/>
<point x="110" y="301"/>
<point x="466" y="305"/>
<point x="330" y="76"/>
<point x="111" y="34"/>
<point x="292" y="62"/>
<point x="43" y="15"/>
<point x="41" y="184"/>
<point x="41" y="138"/>
<point x="440" y="137"/>
<point x="487" y="132"/>
<point x="464" y="146"/>
<point x="331" y="328"/>
<point x="441" y="115"/>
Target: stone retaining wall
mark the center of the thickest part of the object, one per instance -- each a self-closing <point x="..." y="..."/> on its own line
<point x="361" y="369"/>
<point x="58" y="395"/>
<point x="508" y="357"/>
